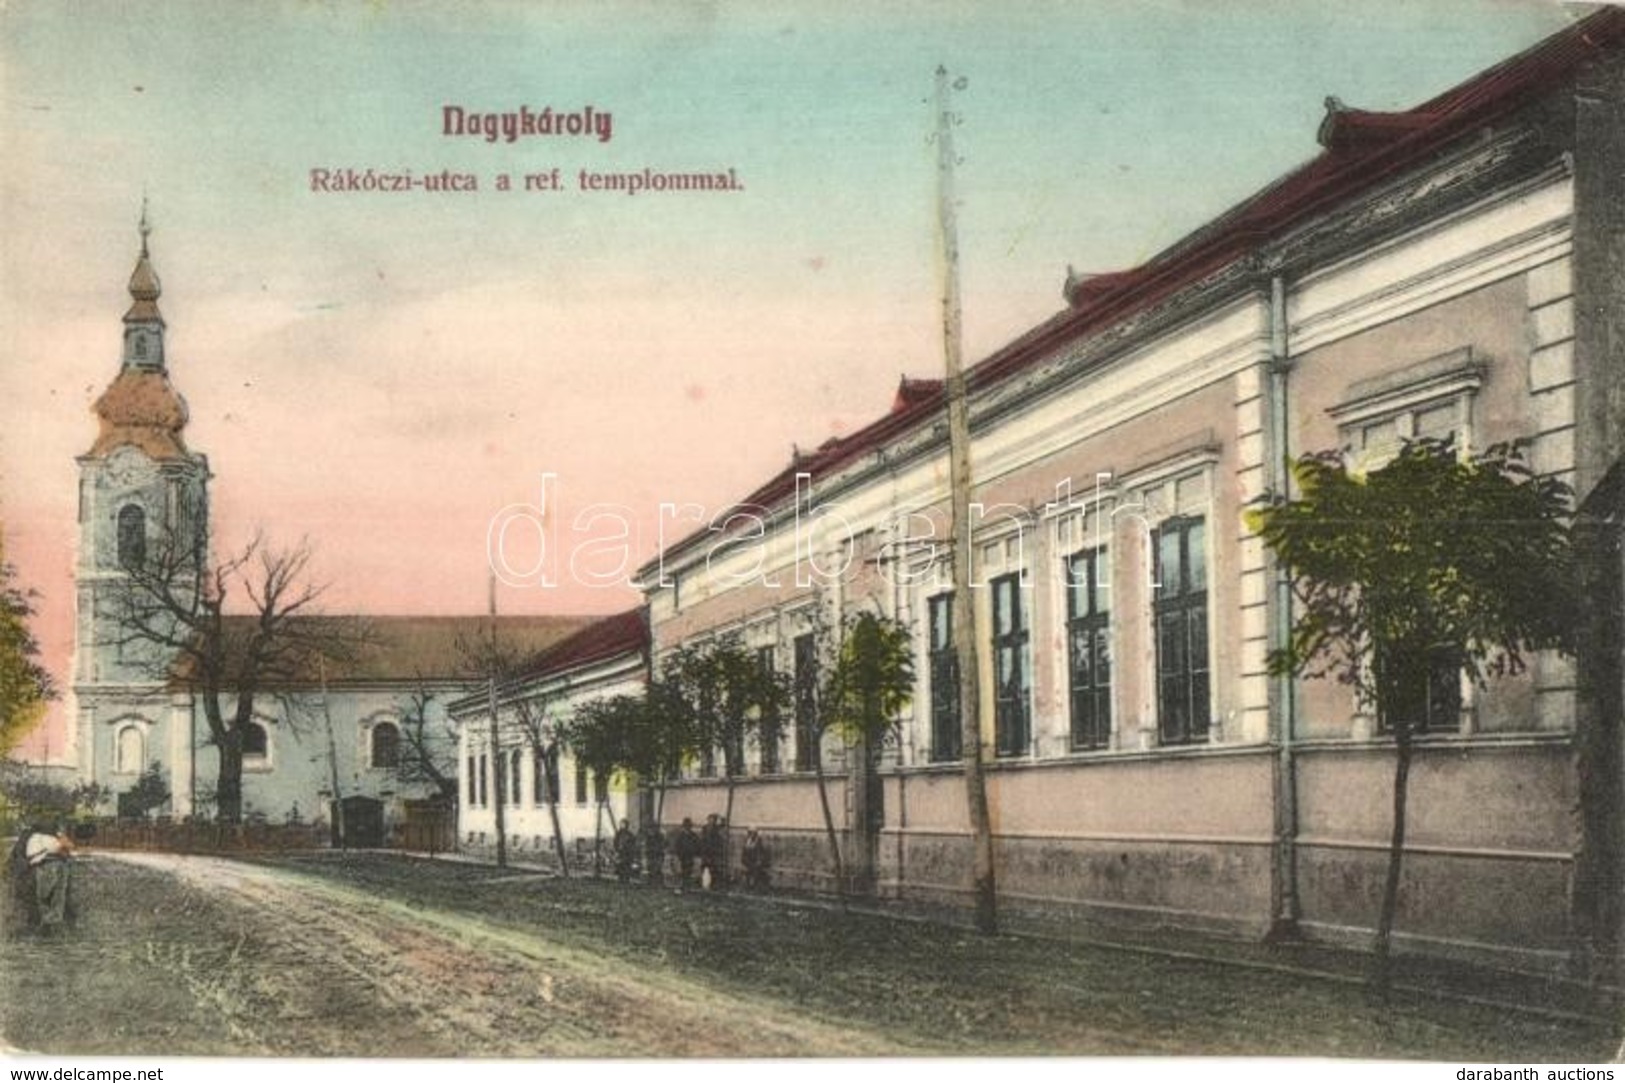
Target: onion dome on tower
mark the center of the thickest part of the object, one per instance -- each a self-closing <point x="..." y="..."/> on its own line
<point x="140" y="407"/>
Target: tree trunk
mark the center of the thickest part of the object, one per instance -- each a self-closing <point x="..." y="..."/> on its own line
<point x="598" y="837"/>
<point x="549" y="758"/>
<point x="228" y="789"/>
<point x="1382" y="949"/>
<point x="499" y="771"/>
<point x="228" y="794"/>
<point x="829" y="820"/>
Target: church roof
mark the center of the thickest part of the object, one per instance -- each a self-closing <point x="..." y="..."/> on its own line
<point x="145" y="288"/>
<point x="412" y="649"/>
<point x="141" y="408"/>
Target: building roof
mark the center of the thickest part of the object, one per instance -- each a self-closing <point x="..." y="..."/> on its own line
<point x="600" y="640"/>
<point x="1361" y="150"/>
<point x="410" y="649"/>
<point x="605" y="638"/>
<point x="141" y="408"/>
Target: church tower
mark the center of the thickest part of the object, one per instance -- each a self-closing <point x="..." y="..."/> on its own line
<point x="142" y="494"/>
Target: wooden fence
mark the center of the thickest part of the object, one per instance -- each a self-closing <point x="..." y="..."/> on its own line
<point x="429" y="827"/>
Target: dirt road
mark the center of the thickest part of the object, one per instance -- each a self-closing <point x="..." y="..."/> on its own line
<point x="324" y="954"/>
<point x="276" y="962"/>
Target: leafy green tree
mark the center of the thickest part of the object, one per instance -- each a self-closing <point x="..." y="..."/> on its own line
<point x="665" y="738"/>
<point x="1435" y="564"/>
<point x="731" y="697"/>
<point x="861" y="698"/>
<point x="25" y="686"/>
<point x="610" y="740"/>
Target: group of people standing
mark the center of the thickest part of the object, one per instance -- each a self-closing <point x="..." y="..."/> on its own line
<point x="40" y="874"/>
<point x="701" y="856"/>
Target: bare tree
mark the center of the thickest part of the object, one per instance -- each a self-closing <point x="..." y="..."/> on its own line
<point x="428" y="753"/>
<point x="531" y="717"/>
<point x="504" y="665"/>
<point x="229" y="631"/>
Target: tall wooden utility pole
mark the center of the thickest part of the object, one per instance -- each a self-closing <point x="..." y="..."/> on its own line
<point x="497" y="768"/>
<point x="960" y="542"/>
<point x="333" y="760"/>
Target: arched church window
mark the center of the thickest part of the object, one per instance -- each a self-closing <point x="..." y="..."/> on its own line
<point x="130" y="751"/>
<point x="141" y="346"/>
<point x="386" y="745"/>
<point x="256" y="742"/>
<point x="132" y="535"/>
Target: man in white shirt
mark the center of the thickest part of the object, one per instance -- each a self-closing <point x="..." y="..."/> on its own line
<point x="47" y="854"/>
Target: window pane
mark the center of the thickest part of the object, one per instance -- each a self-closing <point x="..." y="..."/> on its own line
<point x="1170" y="577"/>
<point x="941" y="621"/>
<point x="1379" y="435"/>
<point x="1196" y="557"/>
<point x="1077" y="586"/>
<point x="386" y="742"/>
<point x="945" y="737"/>
<point x="1103" y="657"/>
<point x="1171" y="644"/>
<point x="132" y="536"/>
<point x="806" y="702"/>
<point x="1172" y="709"/>
<point x="1197" y="628"/>
<point x="1444" y="692"/>
<point x="1083" y="660"/>
<point x="1103" y="581"/>
<point x="1199" y="706"/>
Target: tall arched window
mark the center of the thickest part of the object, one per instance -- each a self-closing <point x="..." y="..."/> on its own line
<point x="256" y="742"/>
<point x="130" y="751"/>
<point x="386" y="745"/>
<point x="132" y="535"/>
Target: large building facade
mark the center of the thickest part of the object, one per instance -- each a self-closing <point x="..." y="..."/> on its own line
<point x="1454" y="269"/>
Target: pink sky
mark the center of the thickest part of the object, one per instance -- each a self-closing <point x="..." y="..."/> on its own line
<point x="382" y="374"/>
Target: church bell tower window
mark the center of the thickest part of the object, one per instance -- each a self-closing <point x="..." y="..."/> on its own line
<point x="132" y="536"/>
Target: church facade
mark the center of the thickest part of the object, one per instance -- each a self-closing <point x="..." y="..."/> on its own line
<point x="373" y="727"/>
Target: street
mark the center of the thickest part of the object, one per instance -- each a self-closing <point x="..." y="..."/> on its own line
<point x="377" y="955"/>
